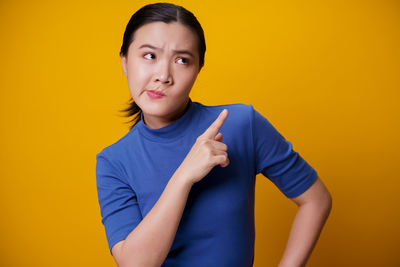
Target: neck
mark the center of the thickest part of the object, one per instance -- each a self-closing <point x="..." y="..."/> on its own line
<point x="159" y="122"/>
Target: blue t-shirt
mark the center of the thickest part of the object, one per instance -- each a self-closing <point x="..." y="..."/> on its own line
<point x="217" y="226"/>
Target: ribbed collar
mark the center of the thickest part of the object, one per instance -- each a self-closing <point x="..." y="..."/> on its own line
<point x="172" y="131"/>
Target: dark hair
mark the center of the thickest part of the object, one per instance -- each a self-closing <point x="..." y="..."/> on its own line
<point x="164" y="12"/>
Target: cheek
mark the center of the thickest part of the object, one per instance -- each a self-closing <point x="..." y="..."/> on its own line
<point x="139" y="75"/>
<point x="189" y="78"/>
<point x="185" y="76"/>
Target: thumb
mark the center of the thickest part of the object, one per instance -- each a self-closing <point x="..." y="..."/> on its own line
<point x="218" y="137"/>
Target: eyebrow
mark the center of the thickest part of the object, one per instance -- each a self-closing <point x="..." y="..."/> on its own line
<point x="176" y="51"/>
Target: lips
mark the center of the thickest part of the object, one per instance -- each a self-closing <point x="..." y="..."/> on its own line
<point x="155" y="94"/>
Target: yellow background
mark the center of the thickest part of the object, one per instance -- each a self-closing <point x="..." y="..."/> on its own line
<point x="325" y="73"/>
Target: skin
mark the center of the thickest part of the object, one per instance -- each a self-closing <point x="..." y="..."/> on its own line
<point x="174" y="73"/>
<point x="314" y="207"/>
<point x="150" y="242"/>
<point x="162" y="68"/>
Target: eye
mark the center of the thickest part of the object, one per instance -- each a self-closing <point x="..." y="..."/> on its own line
<point x="149" y="56"/>
<point x="183" y="61"/>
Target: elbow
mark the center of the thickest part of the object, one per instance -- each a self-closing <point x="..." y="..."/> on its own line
<point x="134" y="258"/>
<point x="122" y="257"/>
<point x="118" y="255"/>
<point x="326" y="204"/>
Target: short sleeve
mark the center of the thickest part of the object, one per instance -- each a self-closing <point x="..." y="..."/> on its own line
<point x="118" y="203"/>
<point x="276" y="159"/>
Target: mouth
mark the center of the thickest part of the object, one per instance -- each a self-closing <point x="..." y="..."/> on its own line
<point x="155" y="94"/>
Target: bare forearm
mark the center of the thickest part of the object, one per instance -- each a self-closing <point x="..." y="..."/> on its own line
<point x="150" y="242"/>
<point x="306" y="228"/>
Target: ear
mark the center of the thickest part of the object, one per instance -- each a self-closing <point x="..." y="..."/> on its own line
<point x="124" y="63"/>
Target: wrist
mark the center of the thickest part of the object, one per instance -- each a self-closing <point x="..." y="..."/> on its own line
<point x="181" y="178"/>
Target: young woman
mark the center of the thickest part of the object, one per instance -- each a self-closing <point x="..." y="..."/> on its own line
<point x="178" y="188"/>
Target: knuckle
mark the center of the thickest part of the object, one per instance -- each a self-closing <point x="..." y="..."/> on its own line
<point x="212" y="162"/>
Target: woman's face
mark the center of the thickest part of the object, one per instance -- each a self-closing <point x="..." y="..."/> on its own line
<point x="163" y="58"/>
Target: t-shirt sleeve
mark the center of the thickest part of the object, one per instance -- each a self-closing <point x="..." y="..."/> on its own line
<point x="118" y="203"/>
<point x="276" y="159"/>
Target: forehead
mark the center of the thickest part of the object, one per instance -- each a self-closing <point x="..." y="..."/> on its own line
<point x="172" y="35"/>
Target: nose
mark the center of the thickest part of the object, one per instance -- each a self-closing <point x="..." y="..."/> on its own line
<point x="163" y="73"/>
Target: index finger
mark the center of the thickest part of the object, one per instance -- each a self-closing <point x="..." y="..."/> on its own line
<point x="212" y="131"/>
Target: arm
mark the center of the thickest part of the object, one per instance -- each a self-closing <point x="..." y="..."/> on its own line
<point x="314" y="205"/>
<point x="149" y="243"/>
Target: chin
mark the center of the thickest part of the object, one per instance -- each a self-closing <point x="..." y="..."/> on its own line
<point x="155" y="111"/>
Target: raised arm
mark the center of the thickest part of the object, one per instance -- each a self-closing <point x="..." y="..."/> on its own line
<point x="150" y="242"/>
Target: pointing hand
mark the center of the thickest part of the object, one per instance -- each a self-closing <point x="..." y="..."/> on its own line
<point x="207" y="152"/>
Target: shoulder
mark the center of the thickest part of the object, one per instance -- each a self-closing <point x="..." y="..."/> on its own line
<point x="114" y="150"/>
<point x="238" y="121"/>
<point x="113" y="157"/>
<point x="237" y="111"/>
